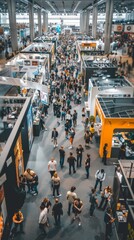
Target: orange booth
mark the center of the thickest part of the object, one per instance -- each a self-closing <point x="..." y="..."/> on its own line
<point x="116" y="114"/>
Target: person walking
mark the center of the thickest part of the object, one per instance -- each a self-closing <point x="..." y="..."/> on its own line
<point x="56" y="184"/>
<point x="54" y="137"/>
<point x="77" y="208"/>
<point x="62" y="156"/>
<point x="108" y="219"/>
<point x="74" y="118"/>
<point x="87" y="138"/>
<point x="92" y="131"/>
<point x="71" y="139"/>
<point x="71" y="161"/>
<point x="52" y="165"/>
<point x="100" y="176"/>
<point x="57" y="211"/>
<point x="43" y="219"/>
<point x="87" y="165"/>
<point x="79" y="151"/>
<point x="66" y="129"/>
<point x="71" y="196"/>
<point x="93" y="201"/>
<point x="105" y="152"/>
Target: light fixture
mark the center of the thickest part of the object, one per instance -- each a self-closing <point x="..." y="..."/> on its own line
<point x="51" y="6"/>
<point x="76" y="6"/>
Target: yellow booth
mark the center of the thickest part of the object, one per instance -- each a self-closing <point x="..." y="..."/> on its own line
<point x="117" y="119"/>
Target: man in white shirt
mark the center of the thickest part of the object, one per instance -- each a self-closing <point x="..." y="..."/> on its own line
<point x="100" y="176"/>
<point x="71" y="196"/>
<point x="52" y="165"/>
<point x="43" y="219"/>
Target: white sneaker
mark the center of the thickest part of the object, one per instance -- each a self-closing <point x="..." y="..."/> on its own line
<point x="79" y="223"/>
<point x="54" y="146"/>
<point x="70" y="147"/>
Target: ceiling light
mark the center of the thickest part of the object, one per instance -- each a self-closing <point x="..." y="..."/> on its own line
<point x="51" y="6"/>
<point x="76" y="6"/>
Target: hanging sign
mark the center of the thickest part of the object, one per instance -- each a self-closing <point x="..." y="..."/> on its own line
<point x="129" y="29"/>
<point x="118" y="28"/>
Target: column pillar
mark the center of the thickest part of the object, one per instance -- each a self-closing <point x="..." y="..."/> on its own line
<point x="94" y="21"/>
<point x="39" y="22"/>
<point x="108" y="24"/>
<point x="45" y="22"/>
<point x="12" y="23"/>
<point x="31" y="21"/>
<point x="87" y="21"/>
<point x="82" y="22"/>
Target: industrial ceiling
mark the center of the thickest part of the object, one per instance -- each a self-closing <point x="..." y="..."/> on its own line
<point x="68" y="6"/>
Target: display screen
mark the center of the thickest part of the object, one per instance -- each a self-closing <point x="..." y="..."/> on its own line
<point x="30" y="127"/>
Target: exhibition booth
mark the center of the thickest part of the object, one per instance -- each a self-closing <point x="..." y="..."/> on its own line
<point x="16" y="116"/>
<point x="123" y="199"/>
<point x="116" y="116"/>
<point x="109" y="87"/>
<point x="46" y="48"/>
<point x="38" y="94"/>
<point x="34" y="65"/>
<point x="97" y="68"/>
<point x="47" y="38"/>
<point x="90" y="48"/>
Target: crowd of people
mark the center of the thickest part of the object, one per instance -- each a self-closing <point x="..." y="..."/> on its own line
<point x="66" y="90"/>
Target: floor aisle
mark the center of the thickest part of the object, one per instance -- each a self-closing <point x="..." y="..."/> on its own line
<point x="42" y="150"/>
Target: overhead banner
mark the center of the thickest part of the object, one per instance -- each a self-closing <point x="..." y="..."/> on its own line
<point x="129" y="29"/>
<point x="118" y="28"/>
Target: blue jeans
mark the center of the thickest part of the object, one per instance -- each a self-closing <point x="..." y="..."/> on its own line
<point x="79" y="160"/>
<point x="87" y="171"/>
<point x="61" y="161"/>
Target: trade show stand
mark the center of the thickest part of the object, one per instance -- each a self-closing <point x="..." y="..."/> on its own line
<point x="42" y="48"/>
<point x="89" y="47"/>
<point x="117" y="117"/>
<point x="51" y="39"/>
<point x="109" y="87"/>
<point x="14" y="153"/>
<point x="28" y="62"/>
<point x="123" y="199"/>
<point x="98" y="68"/>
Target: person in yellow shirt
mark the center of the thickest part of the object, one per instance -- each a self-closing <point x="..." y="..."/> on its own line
<point x="92" y="130"/>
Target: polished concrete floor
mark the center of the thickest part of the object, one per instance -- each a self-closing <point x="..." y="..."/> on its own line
<point x="92" y="228"/>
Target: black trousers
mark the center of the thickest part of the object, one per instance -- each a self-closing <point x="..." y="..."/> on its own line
<point x="57" y="218"/>
<point x="71" y="167"/>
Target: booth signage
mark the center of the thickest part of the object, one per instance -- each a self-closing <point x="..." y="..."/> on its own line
<point x="118" y="28"/>
<point x="9" y="161"/>
<point x="129" y="29"/>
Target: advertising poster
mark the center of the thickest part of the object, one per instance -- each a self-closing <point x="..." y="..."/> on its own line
<point x="30" y="127"/>
<point x="44" y="97"/>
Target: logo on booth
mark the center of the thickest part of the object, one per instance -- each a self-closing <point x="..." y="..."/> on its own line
<point x="119" y="28"/>
<point x="128" y="28"/>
